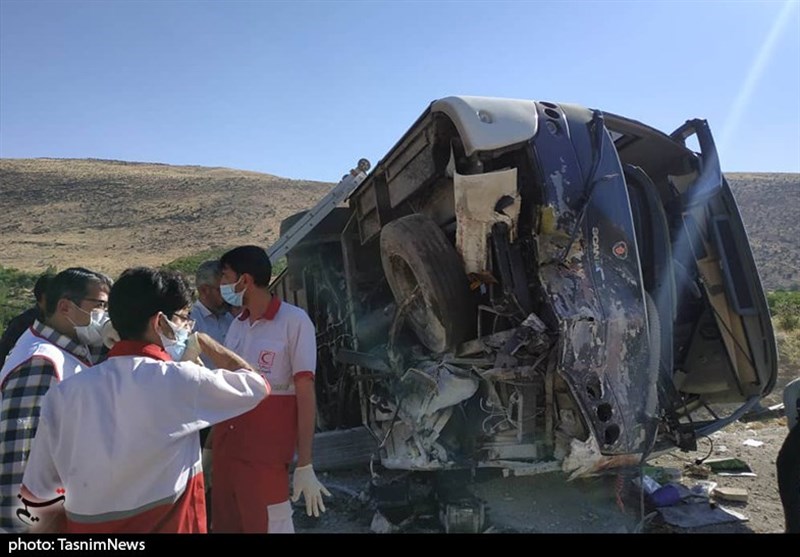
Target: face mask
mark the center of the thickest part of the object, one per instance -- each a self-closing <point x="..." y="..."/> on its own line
<point x="230" y="295"/>
<point x="177" y="346"/>
<point x="91" y="334"/>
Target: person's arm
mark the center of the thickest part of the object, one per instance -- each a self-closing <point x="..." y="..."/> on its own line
<point x="304" y="363"/>
<point x="306" y="417"/>
<point x="21" y="398"/>
<point x="223" y="394"/>
<point x="303" y="358"/>
<point x="305" y="481"/>
<point x="41" y="484"/>
<point x="221" y="357"/>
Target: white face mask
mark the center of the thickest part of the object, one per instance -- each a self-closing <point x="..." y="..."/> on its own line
<point x="91" y="334"/>
<point x="177" y="346"/>
<point x="229" y="294"/>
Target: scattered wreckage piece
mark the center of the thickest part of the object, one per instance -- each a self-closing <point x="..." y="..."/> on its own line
<point x="736" y="494"/>
<point x="697" y="515"/>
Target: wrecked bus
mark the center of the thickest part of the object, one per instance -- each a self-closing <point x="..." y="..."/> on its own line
<point x="531" y="286"/>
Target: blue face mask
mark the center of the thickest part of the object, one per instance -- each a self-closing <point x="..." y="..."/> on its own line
<point x="229" y="294"/>
<point x="177" y="346"/>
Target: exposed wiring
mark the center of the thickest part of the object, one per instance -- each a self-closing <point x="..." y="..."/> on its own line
<point x="619" y="484"/>
<point x="710" y="450"/>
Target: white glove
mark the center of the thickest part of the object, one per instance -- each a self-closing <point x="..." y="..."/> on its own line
<point x="306" y="482"/>
<point x="110" y="335"/>
<point x="193" y="349"/>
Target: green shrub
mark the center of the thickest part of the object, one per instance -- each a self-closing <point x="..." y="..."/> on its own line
<point x="16" y="292"/>
<point x="785" y="307"/>
<point x="188" y="265"/>
<point x="788" y="321"/>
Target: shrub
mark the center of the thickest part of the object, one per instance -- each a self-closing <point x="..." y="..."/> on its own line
<point x="16" y="292"/>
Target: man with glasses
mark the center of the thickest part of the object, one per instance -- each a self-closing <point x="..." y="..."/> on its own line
<point x="62" y="344"/>
<point x="129" y="461"/>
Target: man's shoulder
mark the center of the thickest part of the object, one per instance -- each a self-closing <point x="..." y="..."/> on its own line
<point x="28" y="317"/>
<point x="33" y="372"/>
<point x="198" y="309"/>
<point x="36" y="362"/>
<point x="293" y="312"/>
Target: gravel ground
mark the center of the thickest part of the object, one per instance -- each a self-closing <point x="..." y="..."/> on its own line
<point x="549" y="503"/>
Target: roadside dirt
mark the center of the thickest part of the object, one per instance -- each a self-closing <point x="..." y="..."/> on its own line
<point x="548" y="503"/>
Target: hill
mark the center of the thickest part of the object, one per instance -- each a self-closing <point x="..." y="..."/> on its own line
<point x="109" y="215"/>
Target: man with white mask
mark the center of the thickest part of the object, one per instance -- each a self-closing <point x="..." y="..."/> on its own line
<point x="64" y="344"/>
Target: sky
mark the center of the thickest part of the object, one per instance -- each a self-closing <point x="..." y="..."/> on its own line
<point x="304" y="89"/>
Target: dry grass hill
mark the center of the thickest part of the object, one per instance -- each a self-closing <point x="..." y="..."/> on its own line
<point x="109" y="215"/>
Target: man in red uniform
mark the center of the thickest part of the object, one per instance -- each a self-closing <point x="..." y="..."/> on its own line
<point x="252" y="452"/>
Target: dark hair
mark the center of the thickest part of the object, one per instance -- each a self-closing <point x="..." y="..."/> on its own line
<point x="249" y="259"/>
<point x="208" y="272"/>
<point x="142" y="292"/>
<point x="73" y="284"/>
<point x="40" y="287"/>
<point x="107" y="280"/>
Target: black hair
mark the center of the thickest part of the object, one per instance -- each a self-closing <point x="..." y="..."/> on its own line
<point x="107" y="280"/>
<point x="73" y="284"/>
<point x="252" y="260"/>
<point x="142" y="292"/>
<point x="40" y="287"/>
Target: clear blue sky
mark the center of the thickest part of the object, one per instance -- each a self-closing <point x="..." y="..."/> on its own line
<point x="303" y="89"/>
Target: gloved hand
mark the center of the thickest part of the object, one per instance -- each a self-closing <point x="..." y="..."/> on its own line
<point x="193" y="349"/>
<point x="306" y="482"/>
<point x="110" y="335"/>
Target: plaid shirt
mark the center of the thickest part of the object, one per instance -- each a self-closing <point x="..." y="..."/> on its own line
<point x="20" y="403"/>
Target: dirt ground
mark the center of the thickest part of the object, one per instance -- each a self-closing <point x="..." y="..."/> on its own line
<point x="548" y="503"/>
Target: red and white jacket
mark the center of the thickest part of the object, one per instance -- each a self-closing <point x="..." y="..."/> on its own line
<point x="120" y="441"/>
<point x="280" y="345"/>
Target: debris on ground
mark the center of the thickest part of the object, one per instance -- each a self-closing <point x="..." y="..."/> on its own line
<point x="648" y="484"/>
<point x="697" y="471"/>
<point x="666" y="496"/>
<point x="759" y="413"/>
<point x="736" y="494"/>
<point x="752" y="443"/>
<point x="703" y="488"/>
<point x="730" y="467"/>
<point x="696" y="515"/>
<point x="663" y="474"/>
